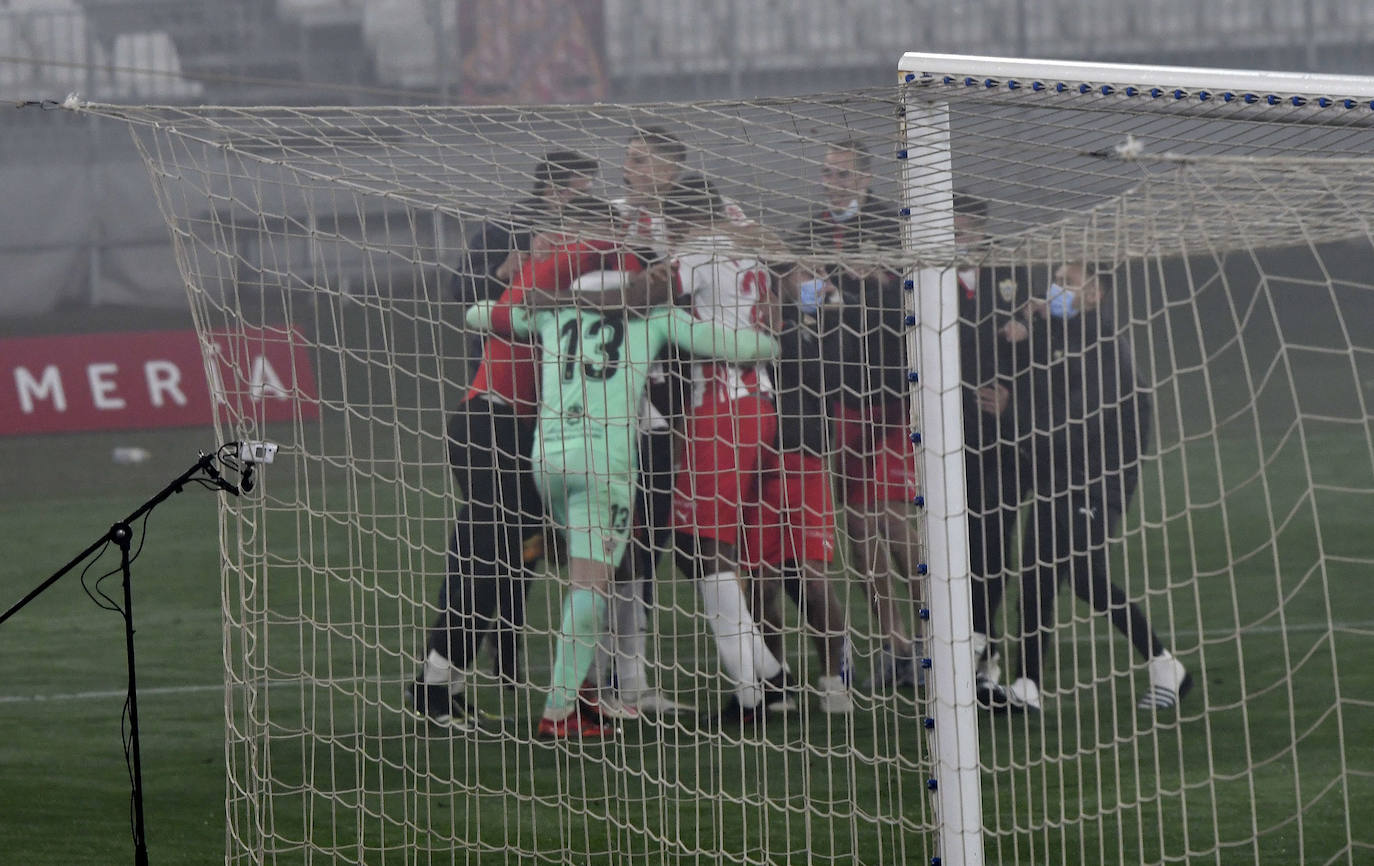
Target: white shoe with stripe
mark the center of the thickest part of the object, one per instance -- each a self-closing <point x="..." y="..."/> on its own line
<point x="652" y="702"/>
<point x="1023" y="695"/>
<point x="1169" y="682"/>
<point x="835" y="698"/>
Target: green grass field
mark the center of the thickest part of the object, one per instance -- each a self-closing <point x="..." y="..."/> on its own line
<point x="1252" y="549"/>
<point x="1091" y="780"/>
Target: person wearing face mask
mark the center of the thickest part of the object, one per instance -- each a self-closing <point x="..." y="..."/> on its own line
<point x="1089" y="423"/>
<point x="854" y="231"/>
<point x="997" y="471"/>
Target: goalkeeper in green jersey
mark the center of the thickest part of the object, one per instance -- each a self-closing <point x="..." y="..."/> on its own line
<point x="593" y="370"/>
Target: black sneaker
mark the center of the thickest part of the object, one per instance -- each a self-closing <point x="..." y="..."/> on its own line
<point x="895" y="672"/>
<point x="781" y="693"/>
<point x="736" y="715"/>
<point x="433" y="703"/>
<point x="990" y="695"/>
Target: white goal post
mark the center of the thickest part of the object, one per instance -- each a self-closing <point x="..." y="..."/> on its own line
<point x="1066" y="459"/>
<point x="926" y="81"/>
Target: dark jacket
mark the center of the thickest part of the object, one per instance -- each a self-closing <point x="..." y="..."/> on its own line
<point x="874" y="307"/>
<point x="807" y="376"/>
<point x="986" y="358"/>
<point x="1088" y="419"/>
<point x="489" y="246"/>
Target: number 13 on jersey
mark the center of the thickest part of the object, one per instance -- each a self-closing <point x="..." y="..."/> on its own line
<point x="593" y="344"/>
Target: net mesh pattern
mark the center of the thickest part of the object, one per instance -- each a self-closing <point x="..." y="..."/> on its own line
<point x="1232" y="248"/>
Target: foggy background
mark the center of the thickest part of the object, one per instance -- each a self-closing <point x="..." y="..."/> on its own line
<point x="80" y="234"/>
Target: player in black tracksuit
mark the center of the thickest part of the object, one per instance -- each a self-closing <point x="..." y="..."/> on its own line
<point x="877" y="465"/>
<point x="997" y="473"/>
<point x="1088" y="422"/>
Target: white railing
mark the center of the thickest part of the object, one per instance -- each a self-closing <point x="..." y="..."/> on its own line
<point x="709" y="35"/>
<point x="417" y="44"/>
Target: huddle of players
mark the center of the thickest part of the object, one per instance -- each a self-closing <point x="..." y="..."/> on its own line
<point x="751" y="494"/>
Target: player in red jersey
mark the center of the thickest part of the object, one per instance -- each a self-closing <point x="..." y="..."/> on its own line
<point x="730" y="429"/>
<point x="794" y="532"/>
<point x="655" y="161"/>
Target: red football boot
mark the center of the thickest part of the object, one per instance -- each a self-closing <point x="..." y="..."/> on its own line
<point x="581" y="724"/>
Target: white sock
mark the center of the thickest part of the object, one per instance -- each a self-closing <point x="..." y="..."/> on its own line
<point x="979" y="645"/>
<point x="743" y="655"/>
<point x="437" y="670"/>
<point x="629" y="622"/>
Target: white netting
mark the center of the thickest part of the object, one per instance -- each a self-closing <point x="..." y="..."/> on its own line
<point x="1236" y="243"/>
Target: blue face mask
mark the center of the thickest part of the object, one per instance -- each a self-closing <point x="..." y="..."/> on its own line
<point x="1063" y="303"/>
<point x="810" y="296"/>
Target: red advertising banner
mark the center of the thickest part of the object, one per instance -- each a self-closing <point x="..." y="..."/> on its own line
<point x="130" y="381"/>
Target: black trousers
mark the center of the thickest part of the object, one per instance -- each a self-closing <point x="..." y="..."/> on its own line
<point x="997" y="480"/>
<point x="653" y="506"/>
<point x="488" y="575"/>
<point x="1067" y="540"/>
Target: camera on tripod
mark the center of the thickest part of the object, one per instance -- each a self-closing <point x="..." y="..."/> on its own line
<point x="253" y="451"/>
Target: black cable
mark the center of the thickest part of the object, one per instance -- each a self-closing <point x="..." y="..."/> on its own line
<point x="93" y="560"/>
<point x="111" y="604"/>
<point x="143" y="536"/>
<point x="127" y="740"/>
<point x="207" y="475"/>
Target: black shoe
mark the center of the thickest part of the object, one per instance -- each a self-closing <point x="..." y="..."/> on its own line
<point x="990" y="695"/>
<point x="781" y="693"/>
<point x="433" y="703"/>
<point x="895" y="672"/>
<point x="736" y="715"/>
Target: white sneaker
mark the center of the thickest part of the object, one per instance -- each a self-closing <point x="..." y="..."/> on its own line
<point x="652" y="702"/>
<point x="1023" y="694"/>
<point x="987" y="660"/>
<point x="834" y="696"/>
<point x="1169" y="682"/>
<point x="603" y="703"/>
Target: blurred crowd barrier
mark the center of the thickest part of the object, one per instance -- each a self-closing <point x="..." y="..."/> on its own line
<point x="573" y="50"/>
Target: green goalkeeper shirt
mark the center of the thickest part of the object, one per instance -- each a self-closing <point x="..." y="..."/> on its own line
<point x="593" y="371"/>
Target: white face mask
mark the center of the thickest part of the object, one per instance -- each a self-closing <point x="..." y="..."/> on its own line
<point x="1063" y="303"/>
<point x="850" y="211"/>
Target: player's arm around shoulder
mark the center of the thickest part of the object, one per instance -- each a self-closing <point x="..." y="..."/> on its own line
<point x="710" y="339"/>
<point x="633" y="288"/>
<point x="501" y="317"/>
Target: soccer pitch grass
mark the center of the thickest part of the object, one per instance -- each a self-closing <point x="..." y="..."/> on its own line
<point x="65" y="792"/>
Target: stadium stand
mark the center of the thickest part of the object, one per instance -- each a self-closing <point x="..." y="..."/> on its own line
<point x="313" y="52"/>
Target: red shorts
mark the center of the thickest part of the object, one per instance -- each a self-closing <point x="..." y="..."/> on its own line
<point x="795" y="518"/>
<point x="729" y="446"/>
<point x="877" y="459"/>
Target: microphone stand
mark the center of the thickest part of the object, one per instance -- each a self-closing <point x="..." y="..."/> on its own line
<point x="121" y="534"/>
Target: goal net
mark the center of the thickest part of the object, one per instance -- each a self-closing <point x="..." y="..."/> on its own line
<point x="1156" y="287"/>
